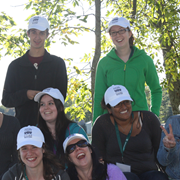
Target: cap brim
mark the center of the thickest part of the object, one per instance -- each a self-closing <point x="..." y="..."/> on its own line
<point x="38" y="96"/>
<point x="115" y="25"/>
<point x="30" y="142"/>
<point x="40" y="28"/>
<point x="118" y="100"/>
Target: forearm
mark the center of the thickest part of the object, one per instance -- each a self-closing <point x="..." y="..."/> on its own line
<point x="61" y="79"/>
<point x="14" y="99"/>
<point x="156" y="98"/>
<point x="166" y="156"/>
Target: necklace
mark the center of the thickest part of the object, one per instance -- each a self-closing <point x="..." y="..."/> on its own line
<point x="123" y="129"/>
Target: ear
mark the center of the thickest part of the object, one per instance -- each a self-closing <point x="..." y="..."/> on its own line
<point x="28" y="33"/>
<point x="110" y="36"/>
<point x="62" y="108"/>
<point x="47" y="36"/>
<point x="109" y="111"/>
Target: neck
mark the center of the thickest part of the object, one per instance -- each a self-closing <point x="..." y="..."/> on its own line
<point x="51" y="127"/>
<point x="36" y="52"/>
<point x="35" y="173"/>
<point x="85" y="173"/>
<point x="123" y="123"/>
<point x="123" y="53"/>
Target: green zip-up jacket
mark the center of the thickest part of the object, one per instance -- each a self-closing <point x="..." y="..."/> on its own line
<point x="133" y="74"/>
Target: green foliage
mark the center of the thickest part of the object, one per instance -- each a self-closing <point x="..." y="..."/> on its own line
<point x="155" y="25"/>
<point x="80" y="96"/>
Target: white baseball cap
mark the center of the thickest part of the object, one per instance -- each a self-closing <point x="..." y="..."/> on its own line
<point x="71" y="137"/>
<point x="30" y="135"/>
<point x="38" y="22"/>
<point x="116" y="94"/>
<point x="53" y="92"/>
<point x="119" y="21"/>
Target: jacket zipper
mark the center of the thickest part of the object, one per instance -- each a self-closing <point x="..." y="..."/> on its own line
<point x="35" y="76"/>
<point x="124" y="74"/>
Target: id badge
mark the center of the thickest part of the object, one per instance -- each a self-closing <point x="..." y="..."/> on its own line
<point x="124" y="167"/>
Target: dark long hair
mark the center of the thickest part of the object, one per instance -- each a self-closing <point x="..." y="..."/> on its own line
<point x="51" y="164"/>
<point x="99" y="171"/>
<point x="62" y="123"/>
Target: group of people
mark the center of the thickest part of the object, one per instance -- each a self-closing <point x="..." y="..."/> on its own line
<point x="128" y="142"/>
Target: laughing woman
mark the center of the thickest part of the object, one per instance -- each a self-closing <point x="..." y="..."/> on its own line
<point x="36" y="162"/>
<point x="84" y="164"/>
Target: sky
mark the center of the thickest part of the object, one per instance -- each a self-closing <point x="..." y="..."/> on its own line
<point x="15" y="9"/>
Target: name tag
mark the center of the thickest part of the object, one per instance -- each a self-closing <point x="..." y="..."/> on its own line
<point x="124" y="167"/>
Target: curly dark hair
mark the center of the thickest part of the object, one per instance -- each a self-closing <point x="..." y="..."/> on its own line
<point x="99" y="171"/>
<point x="51" y="164"/>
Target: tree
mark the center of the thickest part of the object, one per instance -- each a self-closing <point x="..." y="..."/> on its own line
<point x="155" y="25"/>
<point x="165" y="110"/>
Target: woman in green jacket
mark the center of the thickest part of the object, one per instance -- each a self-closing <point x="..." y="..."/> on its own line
<point x="129" y="66"/>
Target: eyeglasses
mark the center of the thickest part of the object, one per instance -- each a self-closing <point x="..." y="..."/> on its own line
<point x="72" y="147"/>
<point x="121" y="31"/>
<point x="126" y="103"/>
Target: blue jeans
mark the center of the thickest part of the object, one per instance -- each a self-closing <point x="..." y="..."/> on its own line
<point x="149" y="175"/>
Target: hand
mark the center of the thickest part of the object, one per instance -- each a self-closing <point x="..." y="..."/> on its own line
<point x="31" y="94"/>
<point x="168" y="140"/>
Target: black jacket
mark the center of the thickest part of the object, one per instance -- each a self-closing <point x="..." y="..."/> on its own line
<point x="15" y="173"/>
<point x="22" y="76"/>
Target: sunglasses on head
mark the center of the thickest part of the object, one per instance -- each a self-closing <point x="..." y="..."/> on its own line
<point x="72" y="147"/>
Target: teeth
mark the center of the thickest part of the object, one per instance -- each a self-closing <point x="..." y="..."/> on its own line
<point x="81" y="154"/>
<point x="30" y="159"/>
<point x="120" y="40"/>
<point x="47" y="112"/>
<point x="123" y="112"/>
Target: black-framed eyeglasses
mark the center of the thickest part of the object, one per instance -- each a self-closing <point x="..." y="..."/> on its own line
<point x="72" y="147"/>
<point x="126" y="103"/>
<point x="121" y="31"/>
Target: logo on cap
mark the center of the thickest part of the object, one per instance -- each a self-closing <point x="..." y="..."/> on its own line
<point x="35" y="20"/>
<point x="47" y="89"/>
<point x="115" y="20"/>
<point x="117" y="90"/>
<point x="28" y="133"/>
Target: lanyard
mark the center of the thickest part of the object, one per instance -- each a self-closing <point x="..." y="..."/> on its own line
<point x="25" y="173"/>
<point x="119" y="139"/>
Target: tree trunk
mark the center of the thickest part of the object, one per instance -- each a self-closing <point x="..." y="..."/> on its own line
<point x="97" y="53"/>
<point x="174" y="95"/>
